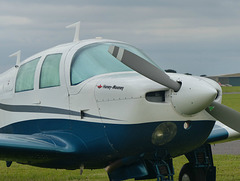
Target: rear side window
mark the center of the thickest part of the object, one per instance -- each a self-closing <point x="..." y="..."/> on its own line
<point x="25" y="76"/>
<point x="50" y="71"/>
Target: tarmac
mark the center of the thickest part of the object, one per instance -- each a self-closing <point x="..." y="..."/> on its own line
<point x="229" y="148"/>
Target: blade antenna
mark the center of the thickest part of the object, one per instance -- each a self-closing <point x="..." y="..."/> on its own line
<point x="77" y="30"/>
<point x="18" y="55"/>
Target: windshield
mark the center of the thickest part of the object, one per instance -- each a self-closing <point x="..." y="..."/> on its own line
<point x="95" y="59"/>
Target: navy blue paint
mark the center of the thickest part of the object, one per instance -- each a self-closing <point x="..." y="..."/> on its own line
<point x="124" y="137"/>
<point x="218" y="133"/>
<point x="134" y="170"/>
<point x="89" y="139"/>
<point x="96" y="145"/>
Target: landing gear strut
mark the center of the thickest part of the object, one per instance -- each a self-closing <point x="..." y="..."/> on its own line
<point x="200" y="166"/>
<point x="162" y="166"/>
<point x="164" y="170"/>
<point x="159" y="167"/>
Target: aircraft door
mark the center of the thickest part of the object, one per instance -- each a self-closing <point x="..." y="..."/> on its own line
<point x="85" y="119"/>
<point x="52" y="94"/>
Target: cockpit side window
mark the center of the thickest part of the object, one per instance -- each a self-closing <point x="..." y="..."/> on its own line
<point x="25" y="76"/>
<point x="49" y="76"/>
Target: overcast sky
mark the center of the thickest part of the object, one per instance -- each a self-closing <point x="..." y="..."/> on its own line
<point x="198" y="37"/>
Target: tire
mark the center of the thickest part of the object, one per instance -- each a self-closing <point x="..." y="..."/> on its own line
<point x="186" y="173"/>
<point x="189" y="173"/>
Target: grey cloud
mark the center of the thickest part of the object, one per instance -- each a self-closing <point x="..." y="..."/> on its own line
<point x="185" y="35"/>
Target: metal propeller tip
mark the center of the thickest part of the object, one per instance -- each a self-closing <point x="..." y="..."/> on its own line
<point x="225" y="114"/>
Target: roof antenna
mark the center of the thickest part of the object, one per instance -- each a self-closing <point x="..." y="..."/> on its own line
<point x="77" y="30"/>
<point x="18" y="55"/>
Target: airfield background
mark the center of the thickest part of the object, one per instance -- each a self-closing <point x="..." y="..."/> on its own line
<point x="228" y="79"/>
<point x="232" y="148"/>
<point x="223" y="80"/>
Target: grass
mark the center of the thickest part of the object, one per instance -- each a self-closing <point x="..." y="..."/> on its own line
<point x="231" y="89"/>
<point x="231" y="100"/>
<point x="228" y="166"/>
<point x="18" y="172"/>
<point x="228" y="169"/>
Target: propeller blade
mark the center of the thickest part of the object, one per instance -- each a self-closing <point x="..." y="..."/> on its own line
<point x="143" y="67"/>
<point x="226" y="115"/>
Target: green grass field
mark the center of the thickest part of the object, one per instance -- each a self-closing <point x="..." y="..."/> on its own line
<point x="231" y="100"/>
<point x="231" y="89"/>
<point x="228" y="169"/>
<point x="228" y="166"/>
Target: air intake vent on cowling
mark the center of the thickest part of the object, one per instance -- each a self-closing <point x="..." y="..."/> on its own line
<point x="158" y="96"/>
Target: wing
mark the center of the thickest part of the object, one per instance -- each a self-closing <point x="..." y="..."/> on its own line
<point x="222" y="133"/>
<point x="38" y="148"/>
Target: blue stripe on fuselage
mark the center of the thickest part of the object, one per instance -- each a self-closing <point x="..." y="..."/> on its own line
<point x="218" y="133"/>
<point x="47" y="110"/>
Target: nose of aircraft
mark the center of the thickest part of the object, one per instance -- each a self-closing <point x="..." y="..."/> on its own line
<point x="189" y="97"/>
<point x="194" y="96"/>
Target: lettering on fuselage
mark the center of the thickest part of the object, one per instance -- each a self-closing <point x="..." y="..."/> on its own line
<point x="109" y="87"/>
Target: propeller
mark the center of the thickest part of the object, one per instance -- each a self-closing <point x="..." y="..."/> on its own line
<point x="191" y="95"/>
<point x="225" y="114"/>
<point x="143" y="67"/>
<point x="194" y="95"/>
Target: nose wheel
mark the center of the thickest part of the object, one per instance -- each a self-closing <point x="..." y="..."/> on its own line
<point x="200" y="166"/>
<point x="189" y="173"/>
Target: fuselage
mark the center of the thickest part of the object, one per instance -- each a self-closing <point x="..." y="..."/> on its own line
<point x="112" y="111"/>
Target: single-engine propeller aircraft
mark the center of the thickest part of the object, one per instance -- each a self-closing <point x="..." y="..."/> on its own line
<point x="104" y="104"/>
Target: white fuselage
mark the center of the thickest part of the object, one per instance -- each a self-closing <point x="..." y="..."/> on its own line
<point x="113" y="99"/>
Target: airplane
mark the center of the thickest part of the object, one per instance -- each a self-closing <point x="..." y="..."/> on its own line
<point x="102" y="103"/>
